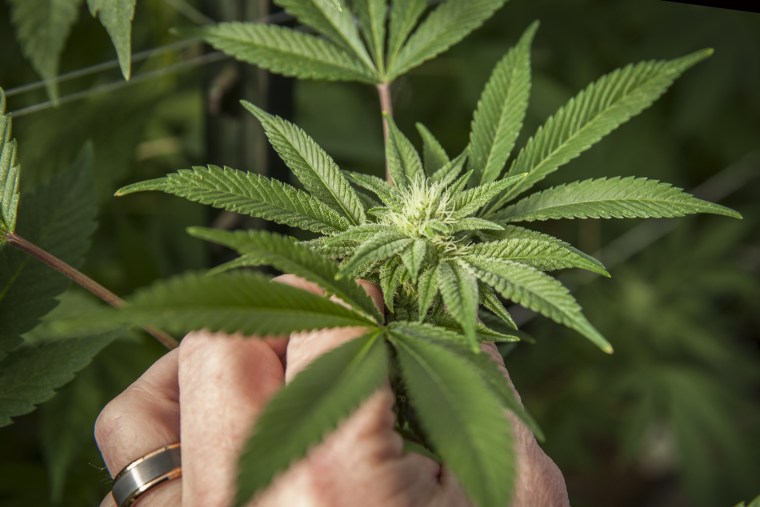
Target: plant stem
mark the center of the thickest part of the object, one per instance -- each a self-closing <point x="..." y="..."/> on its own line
<point x="386" y="108"/>
<point x="83" y="281"/>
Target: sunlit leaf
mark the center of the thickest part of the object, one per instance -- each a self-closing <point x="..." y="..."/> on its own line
<point x="539" y="292"/>
<point x="247" y="193"/>
<point x="501" y="110"/>
<point x="459" y="289"/>
<point x="312" y="166"/>
<point x="244" y="302"/>
<point x="286" y="51"/>
<point x="592" y="114"/>
<point x="609" y="198"/>
<point x="9" y="174"/>
<point x="290" y="256"/>
<point x="447" y="24"/>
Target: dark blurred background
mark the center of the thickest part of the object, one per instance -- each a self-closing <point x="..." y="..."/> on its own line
<point x="671" y="419"/>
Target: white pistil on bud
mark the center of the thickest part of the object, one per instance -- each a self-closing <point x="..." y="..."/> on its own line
<point x="425" y="213"/>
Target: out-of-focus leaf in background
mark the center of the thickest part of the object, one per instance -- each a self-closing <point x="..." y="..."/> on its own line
<point x="670" y="419"/>
<point x="42" y="27"/>
<point x="674" y="406"/>
<point x="59" y="217"/>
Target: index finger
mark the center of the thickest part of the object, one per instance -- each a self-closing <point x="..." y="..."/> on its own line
<point x="303" y="348"/>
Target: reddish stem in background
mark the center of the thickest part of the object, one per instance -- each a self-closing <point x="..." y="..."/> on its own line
<point x="83" y="281"/>
<point x="386" y="108"/>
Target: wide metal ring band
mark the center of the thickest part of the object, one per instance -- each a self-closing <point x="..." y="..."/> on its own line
<point x="161" y="465"/>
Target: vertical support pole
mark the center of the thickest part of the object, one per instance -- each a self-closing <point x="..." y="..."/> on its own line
<point x="233" y="137"/>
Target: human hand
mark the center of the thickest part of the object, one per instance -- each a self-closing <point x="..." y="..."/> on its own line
<point x="208" y="393"/>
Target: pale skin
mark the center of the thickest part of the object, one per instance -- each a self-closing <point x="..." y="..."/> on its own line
<point x="208" y="393"/>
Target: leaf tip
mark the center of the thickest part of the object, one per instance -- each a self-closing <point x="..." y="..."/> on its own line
<point x="141" y="186"/>
<point x="187" y="31"/>
<point x="735" y="214"/>
<point x="195" y="231"/>
<point x="255" y="110"/>
<point x="718" y="209"/>
<point x="124" y="191"/>
<point x="693" y="58"/>
<point x="532" y="28"/>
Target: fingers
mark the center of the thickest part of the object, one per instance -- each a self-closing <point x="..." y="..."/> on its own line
<point x="492" y="350"/>
<point x="375" y="416"/>
<point x="142" y="419"/>
<point x="539" y="481"/>
<point x="303" y="348"/>
<point x="364" y="453"/>
<point x="225" y="382"/>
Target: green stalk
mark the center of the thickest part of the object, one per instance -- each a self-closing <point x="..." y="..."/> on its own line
<point x="82" y="280"/>
<point x="386" y="109"/>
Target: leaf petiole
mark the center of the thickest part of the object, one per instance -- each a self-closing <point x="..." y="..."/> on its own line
<point x="82" y="280"/>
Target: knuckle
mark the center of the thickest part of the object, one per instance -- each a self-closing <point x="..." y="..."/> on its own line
<point x="109" y="419"/>
<point x="373" y="291"/>
<point x="191" y="343"/>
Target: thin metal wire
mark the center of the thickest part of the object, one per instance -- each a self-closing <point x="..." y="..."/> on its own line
<point x="117" y="85"/>
<point x="189" y="12"/>
<point x="111" y="64"/>
<point x="276" y="18"/>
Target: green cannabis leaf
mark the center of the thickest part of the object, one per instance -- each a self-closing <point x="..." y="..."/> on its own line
<point x="248" y="303"/>
<point x="311" y="165"/>
<point x="309" y="407"/>
<point x="371" y="15"/>
<point x="609" y="198"/>
<point x="438" y="238"/>
<point x="9" y="174"/>
<point x="338" y="51"/>
<point x="501" y="110"/>
<point x="42" y="27"/>
<point x="259" y="248"/>
<point x="595" y="112"/>
<point x="59" y="217"/>
<point x="333" y="20"/>
<point x="32" y="373"/>
<point x="536" y="250"/>
<point x="250" y="194"/>
<point x="287" y="51"/>
<point x="116" y="17"/>
<point x="434" y="155"/>
<point x="462" y="417"/>
<point x="447" y="24"/>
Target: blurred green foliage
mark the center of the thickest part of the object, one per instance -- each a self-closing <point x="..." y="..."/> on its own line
<point x="671" y="419"/>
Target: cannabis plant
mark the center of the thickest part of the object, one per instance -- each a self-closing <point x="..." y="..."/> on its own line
<point x="439" y="235"/>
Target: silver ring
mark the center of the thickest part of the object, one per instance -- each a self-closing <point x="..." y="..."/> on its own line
<point x="161" y="465"/>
